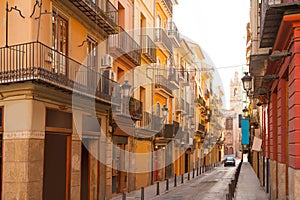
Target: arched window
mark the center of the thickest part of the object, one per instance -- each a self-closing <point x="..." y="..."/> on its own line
<point x="235" y="92"/>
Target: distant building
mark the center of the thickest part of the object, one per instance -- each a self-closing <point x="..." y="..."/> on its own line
<point x="233" y="132"/>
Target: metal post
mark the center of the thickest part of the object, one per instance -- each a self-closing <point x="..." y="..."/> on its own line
<point x="197" y="171"/>
<point x="193" y="172"/>
<point x="6" y="37"/>
<point x="188" y="175"/>
<point x="175" y="183"/>
<point x="167" y="184"/>
<point x="157" y="188"/>
<point x="181" y="178"/>
<point x="142" y="193"/>
<point x="123" y="196"/>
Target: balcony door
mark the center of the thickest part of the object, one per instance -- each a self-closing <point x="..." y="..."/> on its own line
<point x="59" y="43"/>
<point x="92" y="62"/>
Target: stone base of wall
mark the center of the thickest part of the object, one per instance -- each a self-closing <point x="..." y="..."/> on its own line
<point x="281" y="181"/>
<point x="273" y="184"/>
<point x="294" y="184"/>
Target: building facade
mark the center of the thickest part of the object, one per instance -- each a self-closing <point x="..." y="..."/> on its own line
<point x="274" y="68"/>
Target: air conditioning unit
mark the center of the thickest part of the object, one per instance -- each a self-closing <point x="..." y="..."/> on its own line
<point x="107" y="61"/>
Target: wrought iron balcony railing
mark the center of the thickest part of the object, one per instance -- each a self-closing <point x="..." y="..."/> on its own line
<point x="135" y="109"/>
<point x="173" y="33"/>
<point x="148" y="48"/>
<point x="169" y="5"/>
<point x="162" y="39"/>
<point x="164" y="83"/>
<point x="36" y="61"/>
<point x="179" y="105"/>
<point x="152" y="122"/>
<point x="123" y="44"/>
<point x="104" y="15"/>
<point x="271" y="13"/>
<point x="173" y="77"/>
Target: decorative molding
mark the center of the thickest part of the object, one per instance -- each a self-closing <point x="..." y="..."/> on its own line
<point x="24" y="135"/>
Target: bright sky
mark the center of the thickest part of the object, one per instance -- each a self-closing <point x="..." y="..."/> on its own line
<point x="219" y="27"/>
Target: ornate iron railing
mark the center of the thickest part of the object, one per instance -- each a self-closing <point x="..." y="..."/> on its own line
<point x="152" y="122"/>
<point x="36" y="61"/>
<point x="135" y="109"/>
<point x="105" y="15"/>
<point x="125" y="45"/>
<point x="148" y="48"/>
<point x="164" y="83"/>
<point x="169" y="5"/>
<point x="162" y="38"/>
<point x="173" y="32"/>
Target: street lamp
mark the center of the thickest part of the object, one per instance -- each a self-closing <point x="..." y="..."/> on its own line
<point x="125" y="95"/>
<point x="247" y="82"/>
<point x="126" y="89"/>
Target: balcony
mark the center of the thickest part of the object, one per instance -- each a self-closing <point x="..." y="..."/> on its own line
<point x="163" y="83"/>
<point x="173" y="77"/>
<point x="168" y="5"/>
<point x="201" y="130"/>
<point x="151" y="122"/>
<point x="162" y="40"/>
<point x="173" y="33"/>
<point x="179" y="105"/>
<point x="184" y="77"/>
<point x="187" y="108"/>
<point x="148" y="48"/>
<point x="135" y="109"/>
<point x="170" y="130"/>
<point x="37" y="62"/>
<point x="271" y="12"/>
<point x="123" y="44"/>
<point x="106" y="19"/>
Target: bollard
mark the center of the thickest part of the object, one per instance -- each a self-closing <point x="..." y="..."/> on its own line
<point x="157" y="188"/>
<point x="188" y="176"/>
<point x="193" y="172"/>
<point x="229" y="189"/>
<point x="182" y="178"/>
<point x="123" y="196"/>
<point x="142" y="193"/>
<point x="175" y="183"/>
<point x="197" y="173"/>
<point x="167" y="184"/>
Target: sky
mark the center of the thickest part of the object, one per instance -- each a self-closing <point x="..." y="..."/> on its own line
<point x="219" y="27"/>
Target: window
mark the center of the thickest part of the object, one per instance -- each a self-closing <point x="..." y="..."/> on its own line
<point x="92" y="52"/>
<point x="235" y="92"/>
<point x="229" y="123"/>
<point x="59" y="42"/>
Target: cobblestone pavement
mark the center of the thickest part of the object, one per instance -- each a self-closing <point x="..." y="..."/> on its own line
<point x="211" y="185"/>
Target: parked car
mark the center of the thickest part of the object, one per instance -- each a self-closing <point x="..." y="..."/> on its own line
<point x="229" y="161"/>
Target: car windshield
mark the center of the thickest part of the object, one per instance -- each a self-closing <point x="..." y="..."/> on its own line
<point x="230" y="158"/>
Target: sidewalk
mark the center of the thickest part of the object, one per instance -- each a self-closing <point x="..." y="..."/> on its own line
<point x="248" y="186"/>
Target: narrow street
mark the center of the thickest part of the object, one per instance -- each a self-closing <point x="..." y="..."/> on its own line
<point x="211" y="185"/>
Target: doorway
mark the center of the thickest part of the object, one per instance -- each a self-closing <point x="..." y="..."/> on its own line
<point x="55" y="166"/>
